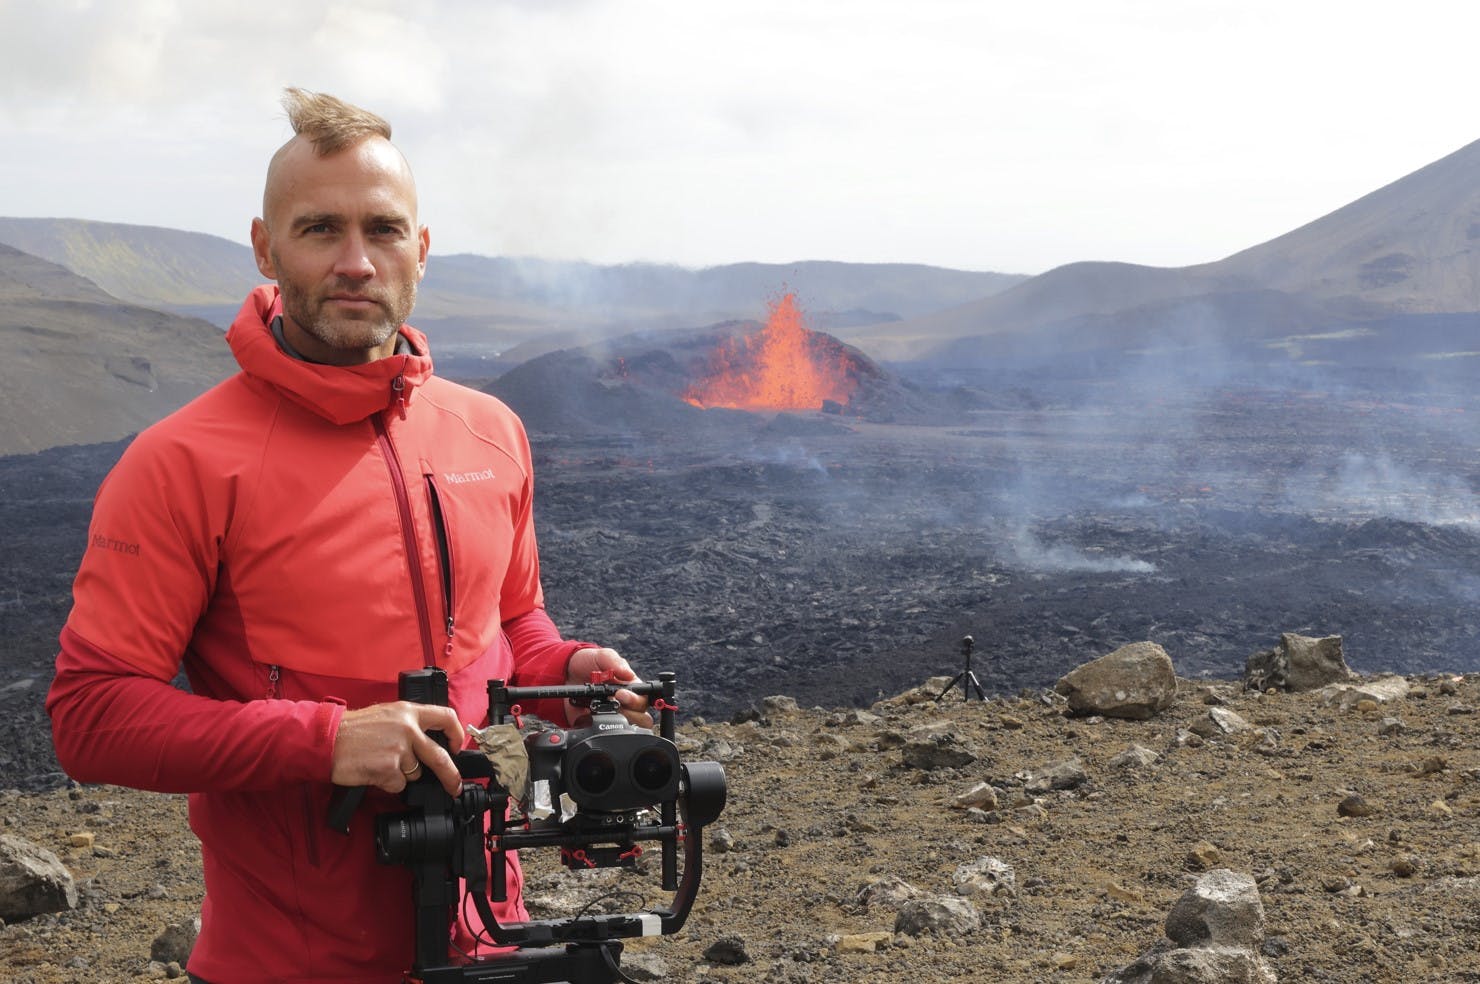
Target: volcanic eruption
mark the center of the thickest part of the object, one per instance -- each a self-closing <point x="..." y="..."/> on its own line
<point x="652" y="381"/>
<point x="785" y="366"/>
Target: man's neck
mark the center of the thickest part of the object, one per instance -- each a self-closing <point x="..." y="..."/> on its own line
<point x="402" y="347"/>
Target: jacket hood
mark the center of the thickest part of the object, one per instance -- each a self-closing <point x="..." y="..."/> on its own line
<point x="339" y="394"/>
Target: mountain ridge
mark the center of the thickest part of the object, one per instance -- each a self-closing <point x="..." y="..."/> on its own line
<point x="1411" y="247"/>
<point x="1389" y="283"/>
<point x="510" y="299"/>
<point x="84" y="367"/>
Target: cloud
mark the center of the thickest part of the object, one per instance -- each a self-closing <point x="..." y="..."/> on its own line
<point x="989" y="136"/>
<point x="106" y="63"/>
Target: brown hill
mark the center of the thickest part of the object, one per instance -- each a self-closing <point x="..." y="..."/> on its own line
<point x="147" y="265"/>
<point x="82" y="367"/>
<point x="1063" y="295"/>
<point x="1410" y="248"/>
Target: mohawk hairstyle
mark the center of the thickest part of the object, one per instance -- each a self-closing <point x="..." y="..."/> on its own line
<point x="330" y="124"/>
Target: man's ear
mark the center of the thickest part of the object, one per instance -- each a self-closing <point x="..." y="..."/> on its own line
<point x="425" y="236"/>
<point x="262" y="249"/>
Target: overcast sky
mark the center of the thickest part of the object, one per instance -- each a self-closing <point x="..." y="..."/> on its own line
<point x="977" y="134"/>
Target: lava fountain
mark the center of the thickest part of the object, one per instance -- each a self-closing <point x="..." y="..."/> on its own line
<point x="786" y="366"/>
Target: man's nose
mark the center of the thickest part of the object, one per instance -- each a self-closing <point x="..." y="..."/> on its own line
<point x="353" y="259"/>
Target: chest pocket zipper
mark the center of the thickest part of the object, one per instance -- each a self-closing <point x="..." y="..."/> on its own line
<point x="444" y="558"/>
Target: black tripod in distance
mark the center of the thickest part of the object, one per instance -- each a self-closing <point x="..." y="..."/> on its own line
<point x="966" y="679"/>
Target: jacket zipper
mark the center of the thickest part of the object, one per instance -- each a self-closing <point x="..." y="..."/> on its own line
<point x="311" y="840"/>
<point x="444" y="554"/>
<point x="408" y="531"/>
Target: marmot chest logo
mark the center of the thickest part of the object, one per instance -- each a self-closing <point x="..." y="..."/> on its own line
<point x="459" y="478"/>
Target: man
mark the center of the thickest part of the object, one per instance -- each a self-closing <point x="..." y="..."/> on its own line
<point x="297" y="536"/>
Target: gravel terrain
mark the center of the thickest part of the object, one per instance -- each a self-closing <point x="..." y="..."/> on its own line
<point x="822" y="805"/>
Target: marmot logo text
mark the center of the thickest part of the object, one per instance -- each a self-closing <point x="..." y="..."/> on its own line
<point x="100" y="542"/>
<point x="458" y="478"/>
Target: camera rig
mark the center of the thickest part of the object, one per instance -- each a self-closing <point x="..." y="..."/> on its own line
<point x="628" y="787"/>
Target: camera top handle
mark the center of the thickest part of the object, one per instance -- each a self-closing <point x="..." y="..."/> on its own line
<point x="503" y="700"/>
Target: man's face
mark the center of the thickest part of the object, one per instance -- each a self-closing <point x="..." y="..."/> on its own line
<point x="339" y="235"/>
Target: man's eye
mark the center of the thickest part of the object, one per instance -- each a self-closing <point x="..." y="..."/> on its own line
<point x="317" y="228"/>
<point x="387" y="230"/>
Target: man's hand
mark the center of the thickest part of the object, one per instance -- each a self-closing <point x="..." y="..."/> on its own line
<point x="386" y="746"/>
<point x="585" y="662"/>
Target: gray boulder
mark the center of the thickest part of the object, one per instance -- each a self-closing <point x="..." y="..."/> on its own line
<point x="1223" y="908"/>
<point x="779" y="704"/>
<point x="175" y="941"/>
<point x="1380" y="690"/>
<point x="729" y="951"/>
<point x="1135" y="757"/>
<point x="982" y="796"/>
<point x="1220" y="721"/>
<point x="33" y="881"/>
<point x="889" y="891"/>
<point x="937" y="746"/>
<point x="940" y="915"/>
<point x="1068" y="774"/>
<point x="1212" y="965"/>
<point x="1213" y="934"/>
<point x="986" y="877"/>
<point x="1135" y="681"/>
<point x="1299" y="663"/>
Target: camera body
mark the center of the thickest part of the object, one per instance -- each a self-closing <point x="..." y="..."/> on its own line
<point x="609" y="768"/>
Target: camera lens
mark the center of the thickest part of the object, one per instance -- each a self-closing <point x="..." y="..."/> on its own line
<point x="394" y="839"/>
<point x="652" y="770"/>
<point x="595" y="773"/>
<point x="405" y="838"/>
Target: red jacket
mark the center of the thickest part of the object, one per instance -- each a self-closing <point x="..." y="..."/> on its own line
<point x="299" y="534"/>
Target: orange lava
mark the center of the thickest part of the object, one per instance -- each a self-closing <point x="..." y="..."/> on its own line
<point x="783" y="367"/>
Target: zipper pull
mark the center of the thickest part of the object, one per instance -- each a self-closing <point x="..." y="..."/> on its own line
<point x="398" y="393"/>
<point x="274" y="676"/>
<point x="450" y="630"/>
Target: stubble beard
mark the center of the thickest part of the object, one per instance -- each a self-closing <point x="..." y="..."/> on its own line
<point x="342" y="334"/>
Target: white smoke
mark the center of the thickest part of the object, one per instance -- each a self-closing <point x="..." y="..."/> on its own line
<point x="1029" y="550"/>
<point x="1376" y="485"/>
<point x="790" y="455"/>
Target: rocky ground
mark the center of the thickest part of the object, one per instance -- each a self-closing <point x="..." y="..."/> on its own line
<point x="823" y="804"/>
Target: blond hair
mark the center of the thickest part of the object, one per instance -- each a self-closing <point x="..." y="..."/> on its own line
<point x="329" y="123"/>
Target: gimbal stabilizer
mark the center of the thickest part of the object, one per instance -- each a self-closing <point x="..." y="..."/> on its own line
<point x="613" y="771"/>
